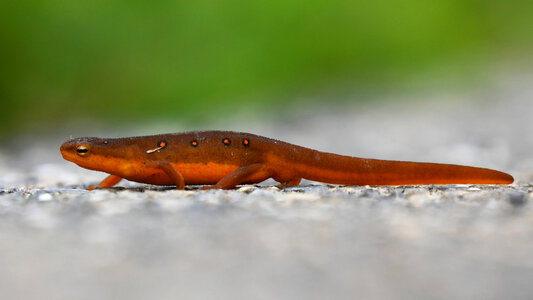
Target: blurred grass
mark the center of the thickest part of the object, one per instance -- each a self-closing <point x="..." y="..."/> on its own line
<point x="191" y="60"/>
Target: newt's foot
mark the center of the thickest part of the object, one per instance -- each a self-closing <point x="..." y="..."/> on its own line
<point x="110" y="181"/>
<point x="292" y="182"/>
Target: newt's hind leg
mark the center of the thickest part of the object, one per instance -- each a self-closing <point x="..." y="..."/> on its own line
<point x="248" y="174"/>
<point x="110" y="181"/>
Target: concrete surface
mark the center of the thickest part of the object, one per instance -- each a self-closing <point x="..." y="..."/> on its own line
<point x="316" y="241"/>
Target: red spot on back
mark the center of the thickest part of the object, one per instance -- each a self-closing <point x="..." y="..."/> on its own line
<point x="162" y="144"/>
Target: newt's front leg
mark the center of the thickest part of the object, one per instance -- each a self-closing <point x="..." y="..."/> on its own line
<point x="110" y="181"/>
<point x="252" y="173"/>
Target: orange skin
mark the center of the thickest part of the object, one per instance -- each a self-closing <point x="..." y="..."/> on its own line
<point x="223" y="160"/>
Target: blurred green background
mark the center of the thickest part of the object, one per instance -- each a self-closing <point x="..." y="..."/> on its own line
<point x="124" y="61"/>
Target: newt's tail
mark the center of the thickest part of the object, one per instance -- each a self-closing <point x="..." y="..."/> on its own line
<point x="338" y="169"/>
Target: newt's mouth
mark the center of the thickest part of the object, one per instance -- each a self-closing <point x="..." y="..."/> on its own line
<point x="68" y="151"/>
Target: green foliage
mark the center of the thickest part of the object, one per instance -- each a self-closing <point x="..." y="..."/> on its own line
<point x="130" y="60"/>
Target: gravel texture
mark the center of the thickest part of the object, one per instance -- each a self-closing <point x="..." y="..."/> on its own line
<point x="316" y="241"/>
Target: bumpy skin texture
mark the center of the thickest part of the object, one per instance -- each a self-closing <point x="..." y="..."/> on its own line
<point x="225" y="159"/>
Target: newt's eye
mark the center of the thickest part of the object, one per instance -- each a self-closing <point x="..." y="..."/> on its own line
<point x="82" y="150"/>
<point x="106" y="142"/>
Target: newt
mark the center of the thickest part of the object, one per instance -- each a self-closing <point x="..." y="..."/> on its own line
<point x="224" y="159"/>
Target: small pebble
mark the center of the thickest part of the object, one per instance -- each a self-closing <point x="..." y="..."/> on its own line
<point x="45" y="197"/>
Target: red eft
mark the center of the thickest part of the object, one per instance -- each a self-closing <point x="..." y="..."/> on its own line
<point x="224" y="159"/>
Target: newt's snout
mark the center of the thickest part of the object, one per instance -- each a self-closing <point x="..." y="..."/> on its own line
<point x="73" y="150"/>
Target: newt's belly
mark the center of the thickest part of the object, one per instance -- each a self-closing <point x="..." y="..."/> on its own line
<point x="193" y="173"/>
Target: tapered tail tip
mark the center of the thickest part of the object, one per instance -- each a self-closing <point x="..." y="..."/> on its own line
<point x="508" y="178"/>
<point x="499" y="177"/>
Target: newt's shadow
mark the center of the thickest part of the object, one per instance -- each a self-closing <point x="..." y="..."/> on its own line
<point x="157" y="188"/>
<point x="299" y="188"/>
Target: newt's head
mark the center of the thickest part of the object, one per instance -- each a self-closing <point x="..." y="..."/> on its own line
<point x="91" y="153"/>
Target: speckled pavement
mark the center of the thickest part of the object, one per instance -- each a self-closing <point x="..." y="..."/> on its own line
<point x="315" y="241"/>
